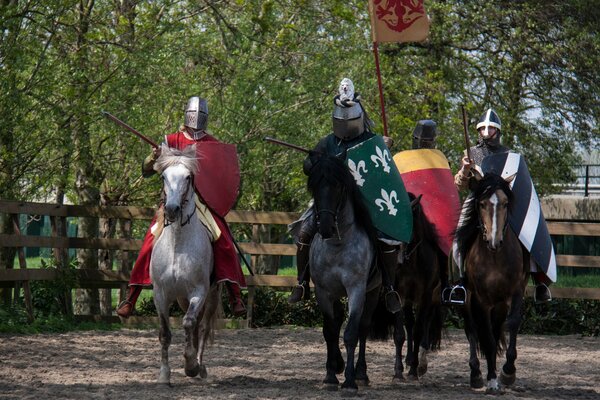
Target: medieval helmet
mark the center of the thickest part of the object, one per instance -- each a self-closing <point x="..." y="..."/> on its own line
<point x="424" y="134"/>
<point x="348" y="116"/>
<point x="196" y="113"/>
<point x="487" y="119"/>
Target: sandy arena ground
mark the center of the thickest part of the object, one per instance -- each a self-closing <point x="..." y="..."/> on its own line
<point x="282" y="363"/>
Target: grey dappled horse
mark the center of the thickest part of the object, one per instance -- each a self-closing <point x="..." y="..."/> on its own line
<point x="182" y="262"/>
<point x="341" y="260"/>
<point x="496" y="273"/>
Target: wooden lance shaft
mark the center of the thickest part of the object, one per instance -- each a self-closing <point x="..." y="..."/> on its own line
<point x="466" y="133"/>
<point x="130" y="129"/>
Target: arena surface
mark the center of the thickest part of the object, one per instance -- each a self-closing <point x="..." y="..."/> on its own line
<point x="282" y="363"/>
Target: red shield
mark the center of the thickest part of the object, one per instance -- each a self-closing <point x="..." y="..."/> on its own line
<point x="218" y="177"/>
<point x="426" y="172"/>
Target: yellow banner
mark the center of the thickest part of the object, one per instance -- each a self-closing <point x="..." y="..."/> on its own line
<point x="398" y="21"/>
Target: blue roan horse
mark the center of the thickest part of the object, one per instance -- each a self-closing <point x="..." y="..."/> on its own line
<point x="182" y="262"/>
<point x="418" y="283"/>
<point x="496" y="272"/>
<point x="341" y="260"/>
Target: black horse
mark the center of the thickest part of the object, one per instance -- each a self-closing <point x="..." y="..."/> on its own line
<point x="418" y="283"/>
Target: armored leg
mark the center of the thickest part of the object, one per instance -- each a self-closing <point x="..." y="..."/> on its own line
<point x="128" y="305"/>
<point x="302" y="291"/>
<point x="542" y="291"/>
<point x="389" y="261"/>
<point x="455" y="293"/>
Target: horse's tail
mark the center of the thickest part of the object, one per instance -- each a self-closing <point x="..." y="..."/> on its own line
<point x="382" y="322"/>
<point x="213" y="311"/>
<point x="436" y="327"/>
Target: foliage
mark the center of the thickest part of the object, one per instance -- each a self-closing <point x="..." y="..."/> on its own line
<point x="272" y="309"/>
<point x="559" y="317"/>
<point x="49" y="297"/>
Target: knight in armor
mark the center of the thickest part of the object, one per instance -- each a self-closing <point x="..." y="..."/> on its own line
<point x="424" y="137"/>
<point x="351" y="127"/>
<point x="489" y="142"/>
<point x="227" y="266"/>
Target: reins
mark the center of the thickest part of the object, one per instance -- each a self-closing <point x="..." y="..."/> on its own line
<point x="183" y="204"/>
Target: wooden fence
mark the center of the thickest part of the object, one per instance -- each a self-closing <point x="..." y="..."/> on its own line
<point x="109" y="278"/>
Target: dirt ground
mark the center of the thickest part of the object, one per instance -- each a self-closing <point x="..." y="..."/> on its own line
<point x="282" y="363"/>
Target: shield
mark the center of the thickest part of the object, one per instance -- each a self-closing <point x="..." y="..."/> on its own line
<point x="218" y="177"/>
<point x="526" y="218"/>
<point x="379" y="181"/>
<point x="427" y="172"/>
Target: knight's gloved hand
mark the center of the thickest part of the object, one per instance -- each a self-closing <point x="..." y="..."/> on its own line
<point x="466" y="164"/>
<point x="156" y="153"/>
<point x="389" y="142"/>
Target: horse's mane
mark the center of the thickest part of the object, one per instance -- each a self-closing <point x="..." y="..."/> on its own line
<point x="466" y="233"/>
<point x="170" y="156"/>
<point x="329" y="170"/>
<point x="428" y="231"/>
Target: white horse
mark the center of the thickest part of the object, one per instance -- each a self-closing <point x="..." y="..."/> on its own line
<point x="182" y="263"/>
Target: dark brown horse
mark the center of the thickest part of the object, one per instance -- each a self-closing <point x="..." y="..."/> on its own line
<point x="496" y="272"/>
<point x="418" y="283"/>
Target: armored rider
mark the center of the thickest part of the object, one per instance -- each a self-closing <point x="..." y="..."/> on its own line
<point x="226" y="262"/>
<point x="351" y="127"/>
<point x="489" y="142"/>
<point x="424" y="137"/>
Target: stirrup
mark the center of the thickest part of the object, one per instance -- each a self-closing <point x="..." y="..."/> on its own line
<point x="392" y="301"/>
<point x="547" y="294"/>
<point x="456" y="294"/>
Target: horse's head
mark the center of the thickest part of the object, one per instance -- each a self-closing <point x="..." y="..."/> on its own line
<point x="329" y="183"/>
<point x="177" y="168"/>
<point x="493" y="197"/>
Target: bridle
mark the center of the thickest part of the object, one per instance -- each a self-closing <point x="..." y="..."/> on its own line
<point x="184" y="201"/>
<point x="339" y="207"/>
<point x="482" y="227"/>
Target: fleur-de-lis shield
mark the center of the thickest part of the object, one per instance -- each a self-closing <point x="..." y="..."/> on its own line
<point x="355" y="170"/>
<point x="382" y="188"/>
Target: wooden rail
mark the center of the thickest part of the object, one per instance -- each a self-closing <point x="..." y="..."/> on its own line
<point x="114" y="279"/>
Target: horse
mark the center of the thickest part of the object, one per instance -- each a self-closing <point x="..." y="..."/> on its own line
<point x="342" y="264"/>
<point x="182" y="262"/>
<point x="418" y="284"/>
<point x="496" y="272"/>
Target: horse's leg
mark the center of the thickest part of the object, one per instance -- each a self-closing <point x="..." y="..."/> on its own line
<point x="424" y="315"/>
<point x="190" y="322"/>
<point x="356" y="303"/>
<point x="409" y="321"/>
<point x="488" y="341"/>
<point x="333" y="317"/>
<point x="206" y="325"/>
<point x="399" y="338"/>
<point x="509" y="371"/>
<point x="476" y="380"/>
<point x="362" y="379"/>
<point x="164" y="337"/>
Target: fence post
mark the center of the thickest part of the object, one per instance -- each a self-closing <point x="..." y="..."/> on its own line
<point x="586" y="192"/>
<point x="22" y="265"/>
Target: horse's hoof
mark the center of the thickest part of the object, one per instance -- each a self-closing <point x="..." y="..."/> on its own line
<point x="422" y="370"/>
<point x="349" y="392"/>
<point x="349" y="387"/>
<point x="164" y="377"/>
<point x="363" y="382"/>
<point x="398" y="378"/>
<point x="476" y="382"/>
<point x="412" y="377"/>
<point x="493" y="387"/>
<point x="192" y="372"/>
<point x="203" y="374"/>
<point x="507" y="379"/>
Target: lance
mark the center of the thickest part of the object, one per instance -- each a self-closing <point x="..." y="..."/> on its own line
<point x="286" y="144"/>
<point x="466" y="133"/>
<point x="130" y="129"/>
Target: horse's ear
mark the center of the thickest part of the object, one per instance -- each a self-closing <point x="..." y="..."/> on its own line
<point x="416" y="201"/>
<point x="511" y="178"/>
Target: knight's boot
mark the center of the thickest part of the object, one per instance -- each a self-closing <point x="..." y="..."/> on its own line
<point x="302" y="290"/>
<point x="238" y="309"/>
<point x="389" y="258"/>
<point x="127" y="306"/>
<point x="542" y="293"/>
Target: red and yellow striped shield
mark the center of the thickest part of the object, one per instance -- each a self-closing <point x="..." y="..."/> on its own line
<point x="427" y="172"/>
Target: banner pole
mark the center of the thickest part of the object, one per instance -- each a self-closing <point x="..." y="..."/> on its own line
<point x="381" y="101"/>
